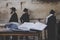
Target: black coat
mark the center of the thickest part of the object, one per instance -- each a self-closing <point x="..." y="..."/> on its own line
<point x="58" y="24"/>
<point x="24" y="18"/>
<point x="14" y="18"/>
<point x="51" y="27"/>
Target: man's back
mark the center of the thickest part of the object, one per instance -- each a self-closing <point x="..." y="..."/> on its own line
<point x="24" y="18"/>
<point x="14" y="18"/>
<point x="51" y="27"/>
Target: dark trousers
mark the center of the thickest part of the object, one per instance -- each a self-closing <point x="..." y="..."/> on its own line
<point x="1" y="37"/>
<point x="11" y="38"/>
<point x="22" y="37"/>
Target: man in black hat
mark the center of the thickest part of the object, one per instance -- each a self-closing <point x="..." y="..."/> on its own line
<point x="51" y="26"/>
<point x="14" y="17"/>
<point x="25" y="16"/>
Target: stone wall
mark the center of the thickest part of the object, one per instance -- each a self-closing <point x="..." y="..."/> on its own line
<point x="36" y="9"/>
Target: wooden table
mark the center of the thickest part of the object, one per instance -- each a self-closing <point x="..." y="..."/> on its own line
<point x="21" y="33"/>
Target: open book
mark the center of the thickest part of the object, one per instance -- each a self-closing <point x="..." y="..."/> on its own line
<point x="26" y="26"/>
<point x="35" y="26"/>
<point x="39" y="26"/>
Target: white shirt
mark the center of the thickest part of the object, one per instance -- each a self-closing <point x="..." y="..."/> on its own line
<point x="48" y="17"/>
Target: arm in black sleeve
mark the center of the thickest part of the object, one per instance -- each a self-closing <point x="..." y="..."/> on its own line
<point x="21" y="19"/>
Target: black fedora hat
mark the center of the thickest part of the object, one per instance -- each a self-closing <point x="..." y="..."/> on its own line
<point x="25" y="10"/>
<point x="52" y="11"/>
<point x="13" y="8"/>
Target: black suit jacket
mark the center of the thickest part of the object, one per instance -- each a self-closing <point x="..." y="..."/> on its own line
<point x="14" y="18"/>
<point x="51" y="22"/>
<point x="24" y="18"/>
